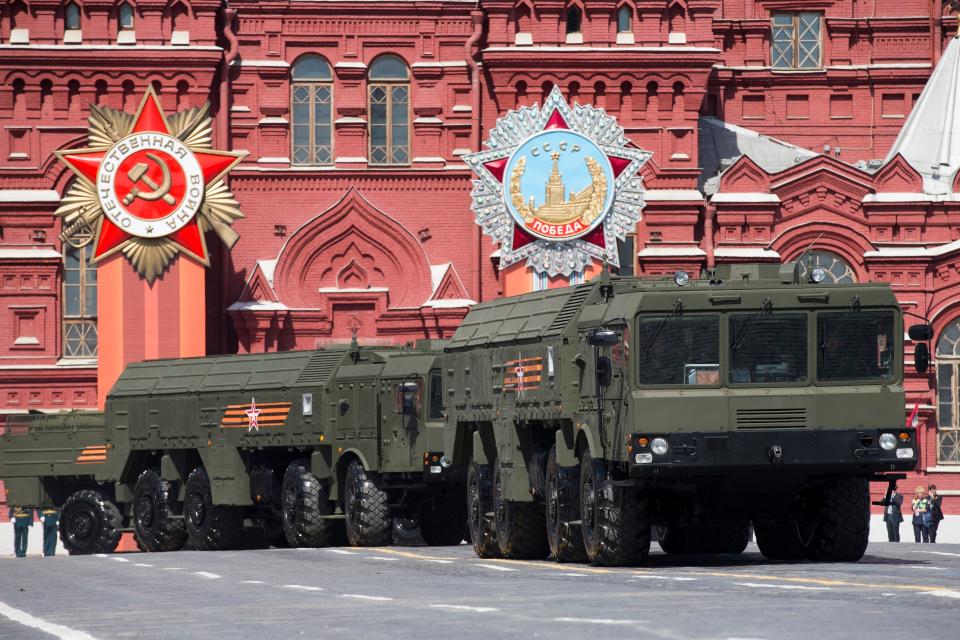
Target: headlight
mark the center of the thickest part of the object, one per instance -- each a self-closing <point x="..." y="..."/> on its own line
<point x="818" y="275"/>
<point x="905" y="453"/>
<point x="681" y="278"/>
<point x="659" y="446"/>
<point x="888" y="441"/>
<point x="644" y="458"/>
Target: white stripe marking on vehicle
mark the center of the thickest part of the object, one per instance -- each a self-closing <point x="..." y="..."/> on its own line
<point x="598" y="621"/>
<point x="494" y="567"/>
<point x="463" y="607"/>
<point x="57" y="630"/>
<point x="207" y="575"/>
<point x="757" y="585"/>
<point x="301" y="587"/>
<point x="360" y="596"/>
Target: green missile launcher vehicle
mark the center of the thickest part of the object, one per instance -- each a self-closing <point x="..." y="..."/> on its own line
<point x="304" y="448"/>
<point x="595" y="416"/>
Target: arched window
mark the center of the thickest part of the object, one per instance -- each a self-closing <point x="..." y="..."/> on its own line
<point x="625" y="19"/>
<point x="574" y="20"/>
<point x="677" y="24"/>
<point x="389" y="111"/>
<point x="71" y="17"/>
<point x="125" y="17"/>
<point x="79" y="303"/>
<point x="948" y="361"/>
<point x="311" y="95"/>
<point x="837" y="269"/>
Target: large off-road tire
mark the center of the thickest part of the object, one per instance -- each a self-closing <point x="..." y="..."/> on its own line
<point x="154" y="526"/>
<point x="563" y="509"/>
<point x="680" y="539"/>
<point x="482" y="530"/>
<point x="90" y="523"/>
<point x="406" y="532"/>
<point x="615" y="523"/>
<point x="304" y="502"/>
<point x="841" y="527"/>
<point x="210" y="527"/>
<point x="780" y="540"/>
<point x="521" y="526"/>
<point x="365" y="505"/>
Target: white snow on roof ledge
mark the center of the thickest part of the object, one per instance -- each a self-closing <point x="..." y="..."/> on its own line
<point x="746" y="252"/>
<point x="25" y="253"/>
<point x="657" y="195"/>
<point x="29" y="195"/>
<point x="914" y="252"/>
<point x="257" y="305"/>
<point x="745" y="197"/>
<point x="671" y="252"/>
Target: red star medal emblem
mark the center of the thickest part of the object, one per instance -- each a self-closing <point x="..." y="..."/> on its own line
<point x="252" y="414"/>
<point x="149" y="183"/>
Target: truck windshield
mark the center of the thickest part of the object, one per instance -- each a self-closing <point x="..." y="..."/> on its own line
<point x="686" y="351"/>
<point x="768" y="349"/>
<point x="855" y="345"/>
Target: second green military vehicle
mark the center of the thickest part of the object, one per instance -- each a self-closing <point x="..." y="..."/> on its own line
<point x="594" y="415"/>
<point x="305" y="448"/>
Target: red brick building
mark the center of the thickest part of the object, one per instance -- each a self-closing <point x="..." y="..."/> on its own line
<point x="771" y="123"/>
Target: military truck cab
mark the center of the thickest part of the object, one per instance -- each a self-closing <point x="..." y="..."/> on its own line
<point x="690" y="408"/>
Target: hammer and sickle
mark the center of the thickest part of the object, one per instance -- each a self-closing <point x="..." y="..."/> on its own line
<point x="159" y="191"/>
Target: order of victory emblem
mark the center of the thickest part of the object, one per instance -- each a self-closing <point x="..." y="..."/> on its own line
<point x="558" y="186"/>
<point x="148" y="186"/>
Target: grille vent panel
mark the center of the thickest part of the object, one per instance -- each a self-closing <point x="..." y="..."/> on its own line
<point x="787" y="418"/>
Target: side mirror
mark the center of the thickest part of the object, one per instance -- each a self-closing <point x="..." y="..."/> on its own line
<point x="921" y="356"/>
<point x="604" y="371"/>
<point x="408" y="397"/>
<point x="920" y="332"/>
<point x="603" y="338"/>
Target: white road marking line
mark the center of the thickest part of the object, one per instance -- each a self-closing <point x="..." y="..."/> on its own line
<point x="142" y="564"/>
<point x="381" y="558"/>
<point x="493" y="566"/>
<point x="922" y="566"/>
<point x="119" y="559"/>
<point x="172" y="569"/>
<point x="888" y="594"/>
<point x="57" y="630"/>
<point x="301" y="587"/>
<point x="598" y="621"/>
<point x="758" y="585"/>
<point x="101" y="555"/>
<point x="360" y="596"/>
<point x="649" y="576"/>
<point x="463" y="607"/>
<point x="574" y="575"/>
<point x="944" y="593"/>
<point x="342" y="552"/>
<point x="939" y="553"/>
<point x="207" y="575"/>
<point x="439" y="561"/>
<point x="253" y="582"/>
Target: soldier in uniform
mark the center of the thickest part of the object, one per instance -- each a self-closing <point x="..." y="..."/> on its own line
<point x="51" y="517"/>
<point x="22" y="519"/>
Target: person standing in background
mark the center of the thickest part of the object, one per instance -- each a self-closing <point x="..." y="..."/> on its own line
<point x="22" y="521"/>
<point x="893" y="516"/>
<point x="921" y="516"/>
<point x="51" y="518"/>
<point x="936" y="510"/>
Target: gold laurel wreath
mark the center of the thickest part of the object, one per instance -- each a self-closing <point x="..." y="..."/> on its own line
<point x="151" y="256"/>
<point x="589" y="214"/>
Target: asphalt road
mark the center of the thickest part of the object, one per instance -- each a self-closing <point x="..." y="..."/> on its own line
<point x="896" y="591"/>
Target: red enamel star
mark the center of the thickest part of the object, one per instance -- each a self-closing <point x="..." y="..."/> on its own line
<point x="156" y="191"/>
<point x="252" y="414"/>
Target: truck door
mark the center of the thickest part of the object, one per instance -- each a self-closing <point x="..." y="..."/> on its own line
<point x="401" y="412"/>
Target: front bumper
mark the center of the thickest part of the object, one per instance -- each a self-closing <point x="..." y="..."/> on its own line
<point x="814" y="451"/>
